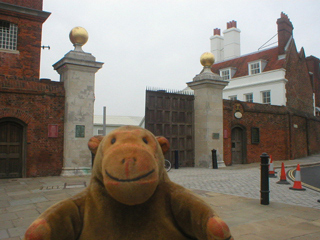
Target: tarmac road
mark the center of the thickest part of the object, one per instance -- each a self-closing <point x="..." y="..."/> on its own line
<point x="310" y="177"/>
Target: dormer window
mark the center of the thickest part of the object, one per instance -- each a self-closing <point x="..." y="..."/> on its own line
<point x="8" y="35"/>
<point x="256" y="66"/>
<point x="227" y="73"/>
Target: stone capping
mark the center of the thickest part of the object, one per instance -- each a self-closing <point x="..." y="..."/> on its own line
<point x="81" y="59"/>
<point x="207" y="83"/>
<point x="207" y="74"/>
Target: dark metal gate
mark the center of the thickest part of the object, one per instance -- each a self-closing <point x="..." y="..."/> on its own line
<point x="170" y="114"/>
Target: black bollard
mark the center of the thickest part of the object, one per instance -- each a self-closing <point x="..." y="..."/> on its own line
<point x="92" y="159"/>
<point x="214" y="159"/>
<point x="176" y="159"/>
<point x="264" y="191"/>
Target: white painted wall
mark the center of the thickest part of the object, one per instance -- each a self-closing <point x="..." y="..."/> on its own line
<point x="272" y="80"/>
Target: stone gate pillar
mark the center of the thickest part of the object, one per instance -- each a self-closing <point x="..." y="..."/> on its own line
<point x="208" y="115"/>
<point x="77" y="71"/>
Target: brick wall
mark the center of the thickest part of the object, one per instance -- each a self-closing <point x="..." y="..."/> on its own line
<point x="37" y="104"/>
<point x="299" y="90"/>
<point x="299" y="137"/>
<point x="313" y="66"/>
<point x="25" y="63"/>
<point x="314" y="135"/>
<point x="34" y="4"/>
<point x="272" y="122"/>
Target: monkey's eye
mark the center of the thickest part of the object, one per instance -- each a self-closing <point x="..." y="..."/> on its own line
<point x="113" y="140"/>
<point x="145" y="140"/>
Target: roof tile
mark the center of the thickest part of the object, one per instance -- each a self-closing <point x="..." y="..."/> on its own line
<point x="241" y="63"/>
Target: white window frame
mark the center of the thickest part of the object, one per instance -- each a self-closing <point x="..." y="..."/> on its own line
<point x="230" y="70"/>
<point x="8" y="36"/>
<point x="225" y="74"/>
<point x="246" y="97"/>
<point x="233" y="97"/>
<point x="266" y="99"/>
<point x="256" y="67"/>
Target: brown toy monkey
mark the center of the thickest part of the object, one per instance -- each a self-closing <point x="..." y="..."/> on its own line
<point x="130" y="197"/>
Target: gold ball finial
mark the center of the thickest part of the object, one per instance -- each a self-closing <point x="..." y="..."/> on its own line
<point x="78" y="36"/>
<point x="207" y="59"/>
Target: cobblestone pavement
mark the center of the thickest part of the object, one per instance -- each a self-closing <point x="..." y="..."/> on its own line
<point x="23" y="199"/>
<point x="243" y="183"/>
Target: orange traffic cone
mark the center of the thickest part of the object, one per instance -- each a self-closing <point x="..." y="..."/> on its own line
<point x="283" y="176"/>
<point x="297" y="181"/>
<point x="272" y="173"/>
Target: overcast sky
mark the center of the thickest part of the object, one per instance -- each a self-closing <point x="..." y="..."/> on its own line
<point x="158" y="43"/>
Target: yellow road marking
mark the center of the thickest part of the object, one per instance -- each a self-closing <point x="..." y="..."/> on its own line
<point x="292" y="178"/>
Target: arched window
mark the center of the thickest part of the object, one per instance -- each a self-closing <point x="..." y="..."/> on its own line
<point x="8" y="35"/>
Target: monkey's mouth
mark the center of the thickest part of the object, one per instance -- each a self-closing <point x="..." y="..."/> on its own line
<point x="131" y="179"/>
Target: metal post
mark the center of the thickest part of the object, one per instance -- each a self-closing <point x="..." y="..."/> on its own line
<point x="176" y="159"/>
<point x="264" y="192"/>
<point x="104" y="121"/>
<point x="214" y="159"/>
<point x="92" y="159"/>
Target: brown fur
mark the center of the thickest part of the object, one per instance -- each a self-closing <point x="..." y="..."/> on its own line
<point x="130" y="196"/>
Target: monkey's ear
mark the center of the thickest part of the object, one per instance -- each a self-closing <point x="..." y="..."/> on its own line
<point x="94" y="143"/>
<point x="164" y="144"/>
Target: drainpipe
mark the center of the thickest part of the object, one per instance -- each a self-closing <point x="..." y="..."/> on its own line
<point x="104" y="121"/>
<point x="290" y="135"/>
<point x="307" y="136"/>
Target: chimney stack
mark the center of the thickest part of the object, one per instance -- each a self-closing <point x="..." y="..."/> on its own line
<point x="231" y="24"/>
<point x="217" y="45"/>
<point x="285" y="28"/>
<point x="216" y="31"/>
<point x="231" y="41"/>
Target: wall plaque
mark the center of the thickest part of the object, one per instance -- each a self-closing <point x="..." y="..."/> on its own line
<point x="215" y="135"/>
<point x="52" y="130"/>
<point x="80" y="131"/>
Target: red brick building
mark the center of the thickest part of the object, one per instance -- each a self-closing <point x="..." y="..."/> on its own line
<point x="314" y="71"/>
<point x="282" y="132"/>
<point x="289" y="131"/>
<point x="31" y="110"/>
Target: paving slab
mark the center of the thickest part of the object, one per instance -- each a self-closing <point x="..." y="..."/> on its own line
<point x="233" y="192"/>
<point x="4" y="234"/>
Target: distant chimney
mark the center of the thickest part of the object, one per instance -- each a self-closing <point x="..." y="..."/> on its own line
<point x="285" y="28"/>
<point x="217" y="45"/>
<point x="217" y="31"/>
<point x="231" y="41"/>
<point x="232" y="24"/>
